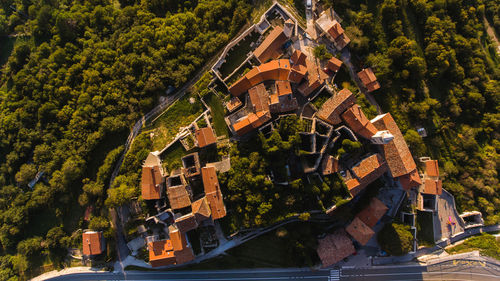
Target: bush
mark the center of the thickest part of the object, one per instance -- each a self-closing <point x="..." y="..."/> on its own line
<point x="395" y="239"/>
<point x="320" y="52"/>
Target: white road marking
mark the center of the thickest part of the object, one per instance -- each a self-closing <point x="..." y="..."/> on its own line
<point x="334" y="275"/>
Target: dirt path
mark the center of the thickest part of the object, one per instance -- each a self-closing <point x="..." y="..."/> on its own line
<point x="491" y="33"/>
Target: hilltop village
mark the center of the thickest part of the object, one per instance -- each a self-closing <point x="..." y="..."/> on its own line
<point x="282" y="78"/>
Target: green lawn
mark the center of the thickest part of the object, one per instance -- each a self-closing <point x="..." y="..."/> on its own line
<point x="217" y="110"/>
<point x="171" y="158"/>
<point x="238" y="54"/>
<point x="180" y="114"/>
<point x="485" y="243"/>
<point x="425" y="231"/>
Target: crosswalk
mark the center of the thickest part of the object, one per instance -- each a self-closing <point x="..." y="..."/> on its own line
<point x="334" y="275"/>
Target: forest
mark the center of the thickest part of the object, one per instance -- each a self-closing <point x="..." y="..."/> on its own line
<point x="69" y="93"/>
<point x="440" y="71"/>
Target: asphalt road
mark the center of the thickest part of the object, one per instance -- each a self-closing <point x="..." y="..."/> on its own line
<point x="448" y="270"/>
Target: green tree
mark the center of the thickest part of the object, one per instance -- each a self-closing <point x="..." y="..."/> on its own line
<point x="320" y="52"/>
<point x="395" y="239"/>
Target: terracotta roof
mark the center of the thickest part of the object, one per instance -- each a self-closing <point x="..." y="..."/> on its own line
<point x="254" y="76"/>
<point x="342" y="41"/>
<point x="271" y="46"/>
<point x="161" y="253"/>
<point x="329" y="165"/>
<point x="185" y="255"/>
<point x="308" y="86"/>
<point x="367" y="171"/>
<point x="396" y="153"/>
<point x="434" y="187"/>
<point x="258" y="119"/>
<point x="334" y="247"/>
<point x="360" y="231"/>
<point x="368" y="79"/>
<point x="92" y="243"/>
<point x="297" y="73"/>
<point x="201" y="209"/>
<point x="284" y="69"/>
<point x="373" y="213"/>
<point x="283" y="88"/>
<point x="243" y="126"/>
<point x="335" y="30"/>
<point x="298" y="58"/>
<point x="410" y="180"/>
<point x="330" y="111"/>
<point x="178" y="197"/>
<point x="186" y="223"/>
<point x="259" y="98"/>
<point x="205" y="136"/>
<point x="151" y="181"/>
<point x="432" y="168"/>
<point x="334" y="64"/>
<point x="240" y="86"/>
<point x="273" y="99"/>
<point x="210" y="181"/>
<point x="213" y="193"/>
<point x="354" y="186"/>
<point x="357" y="121"/>
<point x="178" y="238"/>
<point x="233" y="103"/>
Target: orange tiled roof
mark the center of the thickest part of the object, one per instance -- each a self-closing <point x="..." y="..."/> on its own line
<point x="273" y="70"/>
<point x="357" y="121"/>
<point x="373" y="213"/>
<point x="366" y="171"/>
<point x="368" y="79"/>
<point x="92" y="243"/>
<point x="161" y="253"/>
<point x="205" y="137"/>
<point x="201" y="209"/>
<point x="240" y="86"/>
<point x="270" y="47"/>
<point x="335" y="30"/>
<point x="254" y="76"/>
<point x="342" y="41"/>
<point x="360" y="231"/>
<point x="233" y="103"/>
<point x="410" y="180"/>
<point x="330" y="111"/>
<point x="185" y="255"/>
<point x="259" y="98"/>
<point x="186" y="223"/>
<point x="432" y="168"/>
<point x="258" y="119"/>
<point x="308" y="86"/>
<point x="434" y="187"/>
<point x="243" y="126"/>
<point x="178" y="238"/>
<point x="334" y="247"/>
<point x="283" y="88"/>
<point x="298" y="58"/>
<point x="151" y="181"/>
<point x="297" y="73"/>
<point x="396" y="153"/>
<point x="178" y="197"/>
<point x="334" y="64"/>
<point x="213" y="193"/>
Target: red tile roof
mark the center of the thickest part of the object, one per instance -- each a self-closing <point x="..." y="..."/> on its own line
<point x="243" y="126"/>
<point x="259" y="98"/>
<point x="298" y="58"/>
<point x="434" y="187"/>
<point x="178" y="238"/>
<point x="373" y="213"/>
<point x="283" y="88"/>
<point x="201" y="209"/>
<point x="329" y="165"/>
<point x="92" y="242"/>
<point x="432" y="168"/>
<point x="233" y="103"/>
<point x="368" y="79"/>
<point x="410" y="180"/>
<point x="334" y="64"/>
<point x="366" y="171"/>
<point x="178" y="197"/>
<point x="271" y="46"/>
<point x="186" y="223"/>
<point x="297" y="73"/>
<point x="205" y="137"/>
<point x="273" y="70"/>
<point x="151" y="182"/>
<point x="213" y="193"/>
<point x="357" y="121"/>
<point x="258" y="119"/>
<point x="161" y="253"/>
<point x="335" y="30"/>
<point x="330" y="111"/>
<point x="360" y="231"/>
<point x="396" y="153"/>
<point x="334" y="247"/>
<point x="240" y="86"/>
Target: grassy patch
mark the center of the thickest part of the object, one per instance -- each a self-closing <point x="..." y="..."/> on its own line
<point x="172" y="156"/>
<point x="321" y="98"/>
<point x="425" y="230"/>
<point x="485" y="243"/>
<point x="217" y="111"/>
<point x="259" y="7"/>
<point x="238" y="54"/>
<point x="180" y="114"/>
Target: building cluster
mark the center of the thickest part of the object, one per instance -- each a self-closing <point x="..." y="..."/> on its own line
<point x="332" y="29"/>
<point x="185" y="210"/>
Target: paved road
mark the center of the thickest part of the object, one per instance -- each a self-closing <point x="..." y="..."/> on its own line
<point x="453" y="269"/>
